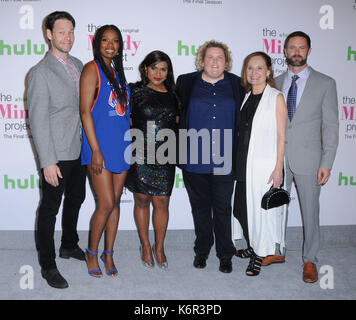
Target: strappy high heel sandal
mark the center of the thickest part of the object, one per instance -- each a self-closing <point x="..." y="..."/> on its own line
<point x="254" y="266"/>
<point x="244" y="253"/>
<point x="112" y="272"/>
<point x="93" y="273"/>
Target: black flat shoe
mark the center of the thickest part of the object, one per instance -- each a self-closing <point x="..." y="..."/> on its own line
<point x="76" y="253"/>
<point x="199" y="262"/>
<point x="225" y="266"/>
<point x="54" y="278"/>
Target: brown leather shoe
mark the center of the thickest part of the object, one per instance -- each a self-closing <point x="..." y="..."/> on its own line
<point x="273" y="259"/>
<point x="310" y="273"/>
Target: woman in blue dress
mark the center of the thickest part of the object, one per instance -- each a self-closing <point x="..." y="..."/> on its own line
<point x="105" y="113"/>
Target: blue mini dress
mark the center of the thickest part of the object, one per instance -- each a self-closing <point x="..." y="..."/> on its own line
<point x="111" y="124"/>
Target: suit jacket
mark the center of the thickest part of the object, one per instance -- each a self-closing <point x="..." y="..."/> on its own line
<point x="313" y="134"/>
<point x="185" y="85"/>
<point x="53" y="103"/>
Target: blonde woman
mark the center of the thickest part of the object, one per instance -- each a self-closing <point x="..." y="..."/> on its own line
<point x="211" y="99"/>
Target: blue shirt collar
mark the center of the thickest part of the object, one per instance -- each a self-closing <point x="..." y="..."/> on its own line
<point x="304" y="74"/>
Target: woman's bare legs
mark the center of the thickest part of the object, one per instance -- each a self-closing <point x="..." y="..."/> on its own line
<point x="160" y="218"/>
<point x="113" y="220"/>
<point x="142" y="218"/>
<point x="107" y="189"/>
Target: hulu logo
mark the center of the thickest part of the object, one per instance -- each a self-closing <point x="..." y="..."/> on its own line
<point x="186" y="49"/>
<point x="29" y="183"/>
<point x="179" y="180"/>
<point x="346" y="180"/>
<point x="21" y="49"/>
<point x="351" y="53"/>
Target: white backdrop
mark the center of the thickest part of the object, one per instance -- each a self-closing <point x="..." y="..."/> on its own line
<point x="176" y="27"/>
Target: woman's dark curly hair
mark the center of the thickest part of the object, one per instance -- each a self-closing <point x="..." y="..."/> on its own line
<point x="119" y="88"/>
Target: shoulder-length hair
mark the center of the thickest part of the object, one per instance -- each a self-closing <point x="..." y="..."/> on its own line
<point x="267" y="59"/>
<point x="119" y="88"/>
<point x="199" y="63"/>
<point x="152" y="59"/>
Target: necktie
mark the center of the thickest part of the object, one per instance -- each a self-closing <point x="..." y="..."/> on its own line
<point x="292" y="98"/>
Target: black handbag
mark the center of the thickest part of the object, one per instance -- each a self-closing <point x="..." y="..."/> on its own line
<point x="275" y="197"/>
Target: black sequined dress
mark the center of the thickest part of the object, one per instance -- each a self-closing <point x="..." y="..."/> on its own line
<point x="160" y="109"/>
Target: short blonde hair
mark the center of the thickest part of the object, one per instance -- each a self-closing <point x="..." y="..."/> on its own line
<point x="213" y="44"/>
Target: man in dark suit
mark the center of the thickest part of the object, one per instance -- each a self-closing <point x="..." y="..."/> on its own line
<point x="311" y="140"/>
<point x="53" y="101"/>
<point x="211" y="100"/>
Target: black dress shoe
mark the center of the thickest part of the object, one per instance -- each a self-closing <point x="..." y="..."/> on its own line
<point x="54" y="278"/>
<point x="199" y="262"/>
<point x="225" y="266"/>
<point x="76" y="253"/>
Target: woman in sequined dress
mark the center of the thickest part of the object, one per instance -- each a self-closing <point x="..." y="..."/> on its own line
<point x="154" y="106"/>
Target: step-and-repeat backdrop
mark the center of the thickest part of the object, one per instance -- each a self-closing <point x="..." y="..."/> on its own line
<point x="177" y="27"/>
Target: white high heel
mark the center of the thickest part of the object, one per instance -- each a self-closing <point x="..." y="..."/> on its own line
<point x="149" y="265"/>
<point x="163" y="265"/>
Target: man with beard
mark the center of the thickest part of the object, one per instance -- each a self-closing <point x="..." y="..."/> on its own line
<point x="311" y="141"/>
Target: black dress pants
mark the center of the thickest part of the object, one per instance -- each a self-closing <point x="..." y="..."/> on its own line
<point x="240" y="208"/>
<point x="72" y="185"/>
<point x="210" y="199"/>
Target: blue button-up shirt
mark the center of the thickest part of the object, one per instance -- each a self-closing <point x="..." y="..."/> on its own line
<point x="301" y="82"/>
<point x="212" y="108"/>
